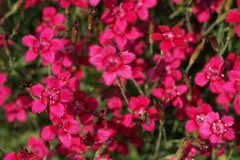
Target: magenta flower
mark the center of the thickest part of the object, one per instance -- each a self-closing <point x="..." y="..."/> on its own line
<point x="5" y="91"/>
<point x="123" y="14"/>
<point x="233" y="86"/>
<point x="197" y="116"/>
<point x="83" y="106"/>
<point x="171" y="92"/>
<point x="121" y="35"/>
<point x="37" y="147"/>
<point x="78" y="3"/>
<point x="65" y="130"/>
<point x="52" y="96"/>
<point x="16" y="110"/>
<point x="215" y="129"/>
<point x="234" y="17"/>
<point x="213" y="73"/>
<point x="50" y="18"/>
<point x="203" y="9"/>
<point x="141" y="112"/>
<point x="28" y="4"/>
<point x="142" y="7"/>
<point x="115" y="105"/>
<point x="44" y="45"/>
<point x="113" y="64"/>
<point x="170" y="38"/>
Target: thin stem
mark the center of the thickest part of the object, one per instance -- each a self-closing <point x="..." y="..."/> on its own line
<point x="137" y="86"/>
<point x="164" y="135"/>
<point x="49" y="70"/>
<point x="122" y="91"/>
<point x="230" y="154"/>
<point x="2" y="149"/>
<point x="158" y="142"/>
<point x="189" y="26"/>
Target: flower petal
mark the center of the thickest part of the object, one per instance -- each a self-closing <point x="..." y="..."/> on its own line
<point x="38" y="106"/>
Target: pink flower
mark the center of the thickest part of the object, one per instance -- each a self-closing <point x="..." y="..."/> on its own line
<point x="65" y="130"/>
<point x="142" y="7"/>
<point x="171" y="92"/>
<point x="197" y="116"/>
<point x="66" y="80"/>
<point x="234" y="17"/>
<point x="147" y="116"/>
<point x="28" y="3"/>
<point x="78" y="3"/>
<point x="233" y="86"/>
<point x="203" y="9"/>
<point x="170" y="38"/>
<point x="44" y="45"/>
<point x="113" y="64"/>
<point x="50" y="18"/>
<point x="83" y="106"/>
<point x="94" y="3"/>
<point x="16" y="110"/>
<point x="166" y="67"/>
<point x="52" y="96"/>
<point x="122" y="14"/>
<point x="22" y="154"/>
<point x="215" y="129"/>
<point x="213" y="73"/>
<point x="122" y="36"/>
<point x="37" y="147"/>
<point x="5" y="91"/>
<point x="114" y="104"/>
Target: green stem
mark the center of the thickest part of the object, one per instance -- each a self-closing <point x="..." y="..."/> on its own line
<point x="49" y="70"/>
<point x="189" y="26"/>
<point x="137" y="86"/>
<point x="158" y="142"/>
<point x="122" y="91"/>
<point x="2" y="149"/>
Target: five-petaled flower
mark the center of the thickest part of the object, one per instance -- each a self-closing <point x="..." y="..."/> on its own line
<point x="44" y="45"/>
<point x="114" y="64"/>
<point x="170" y="37"/>
<point x="215" y="129"/>
<point x="213" y="73"/>
<point x="53" y="96"/>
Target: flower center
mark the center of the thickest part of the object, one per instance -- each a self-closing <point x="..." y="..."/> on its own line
<point x="214" y="73"/>
<point x="41" y="46"/>
<point x="51" y="96"/>
<point x="219" y="127"/>
<point x="112" y="63"/>
<point x="169" y="36"/>
<point x="199" y="119"/>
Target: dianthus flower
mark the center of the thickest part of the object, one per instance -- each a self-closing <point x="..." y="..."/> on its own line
<point x="5" y="91"/>
<point x="141" y="112"/>
<point x="53" y="96"/>
<point x="65" y="129"/>
<point x="213" y="73"/>
<point x="37" y="147"/>
<point x="197" y="116"/>
<point x="170" y="37"/>
<point x="16" y="110"/>
<point x="114" y="64"/>
<point x="44" y="45"/>
<point x="234" y="17"/>
<point x="233" y="86"/>
<point x="215" y="129"/>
